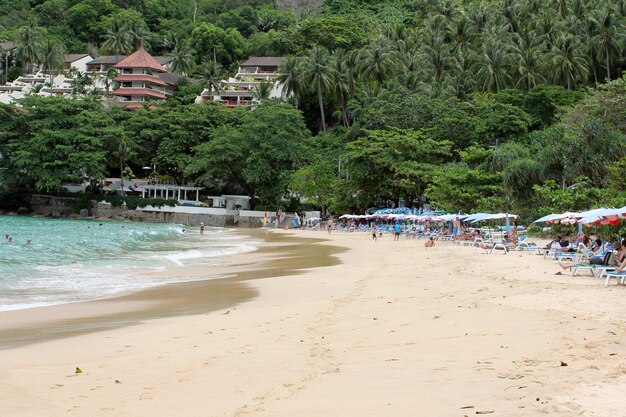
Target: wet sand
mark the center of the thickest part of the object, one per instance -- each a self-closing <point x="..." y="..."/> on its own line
<point x="394" y="329"/>
<point x="279" y="255"/>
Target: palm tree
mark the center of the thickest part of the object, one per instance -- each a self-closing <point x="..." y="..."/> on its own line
<point x="527" y="60"/>
<point x="212" y="74"/>
<point x="461" y="34"/>
<point x="4" y="37"/>
<point x="52" y="57"/>
<point x="579" y="10"/>
<point x="378" y="62"/>
<point x="493" y="66"/>
<point x="182" y="58"/>
<point x="117" y="40"/>
<point x="479" y="16"/>
<point x="108" y="81"/>
<point x="263" y="92"/>
<point x="137" y="34"/>
<point x="592" y="48"/>
<point x="437" y="56"/>
<point x="533" y="8"/>
<point x="319" y="75"/>
<point x="80" y="81"/>
<point x="30" y="44"/>
<point x="461" y="81"/>
<point x="567" y="62"/>
<point x="561" y="6"/>
<point x="547" y="27"/>
<point x="290" y="78"/>
<point x="509" y="11"/>
<point x="341" y="84"/>
<point x="411" y="72"/>
<point x="351" y="67"/>
<point x="528" y="65"/>
<point x="610" y="37"/>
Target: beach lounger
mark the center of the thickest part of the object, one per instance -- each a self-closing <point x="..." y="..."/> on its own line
<point x="500" y="246"/>
<point x="619" y="276"/>
<point x="596" y="270"/>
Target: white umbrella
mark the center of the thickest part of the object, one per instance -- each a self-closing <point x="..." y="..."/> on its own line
<point x="600" y="215"/>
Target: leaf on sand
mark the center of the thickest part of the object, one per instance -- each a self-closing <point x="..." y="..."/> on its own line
<point x="563" y="363"/>
<point x="485" y="412"/>
<point x="78" y="370"/>
<point x="466" y="407"/>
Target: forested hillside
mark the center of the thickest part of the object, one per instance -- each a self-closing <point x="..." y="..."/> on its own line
<point x="471" y="104"/>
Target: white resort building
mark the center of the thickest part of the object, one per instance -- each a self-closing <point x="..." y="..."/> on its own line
<point x="241" y="90"/>
<point x="39" y="82"/>
<point x="138" y="78"/>
<point x="141" y="79"/>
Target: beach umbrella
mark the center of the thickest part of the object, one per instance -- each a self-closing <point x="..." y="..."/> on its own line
<point x="507" y="223"/>
<point x="502" y="216"/>
<point x="550" y="218"/>
<point x="476" y="216"/>
<point x="600" y="216"/>
<point x="488" y="216"/>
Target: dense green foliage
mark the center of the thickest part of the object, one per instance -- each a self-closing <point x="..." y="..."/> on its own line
<point x="472" y="105"/>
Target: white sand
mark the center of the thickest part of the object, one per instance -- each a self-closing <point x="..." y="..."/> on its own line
<point x="395" y="330"/>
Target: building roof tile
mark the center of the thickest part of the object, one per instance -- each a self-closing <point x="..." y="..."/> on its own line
<point x="7" y="46"/>
<point x="69" y="58"/>
<point x="140" y="59"/>
<point x="263" y="61"/>
<point x="139" y="77"/>
<point x="123" y="91"/>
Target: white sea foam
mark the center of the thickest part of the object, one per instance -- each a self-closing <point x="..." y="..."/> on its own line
<point x="81" y="262"/>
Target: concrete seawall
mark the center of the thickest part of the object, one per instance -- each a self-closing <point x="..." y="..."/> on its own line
<point x="51" y="206"/>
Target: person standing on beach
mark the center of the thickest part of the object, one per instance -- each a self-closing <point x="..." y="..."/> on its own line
<point x="397" y="230"/>
<point x="329" y="225"/>
<point x="201" y="228"/>
<point x="456" y="228"/>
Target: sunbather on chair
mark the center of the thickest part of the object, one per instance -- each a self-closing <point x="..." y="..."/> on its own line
<point x="608" y="259"/>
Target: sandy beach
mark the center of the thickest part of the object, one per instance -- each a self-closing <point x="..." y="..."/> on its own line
<point x="380" y="328"/>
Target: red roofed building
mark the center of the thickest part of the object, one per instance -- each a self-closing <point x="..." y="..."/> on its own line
<point x="139" y="81"/>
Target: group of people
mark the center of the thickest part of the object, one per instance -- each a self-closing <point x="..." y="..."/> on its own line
<point x="9" y="239"/>
<point x="596" y="251"/>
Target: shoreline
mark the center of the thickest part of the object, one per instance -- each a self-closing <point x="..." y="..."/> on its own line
<point x="278" y="255"/>
<point x="393" y="329"/>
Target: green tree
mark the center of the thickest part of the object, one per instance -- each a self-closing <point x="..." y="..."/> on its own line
<point x="258" y="155"/>
<point x="58" y="141"/>
<point x="458" y="187"/>
<point x="392" y="164"/>
<point x="333" y="32"/>
<point x="224" y="46"/>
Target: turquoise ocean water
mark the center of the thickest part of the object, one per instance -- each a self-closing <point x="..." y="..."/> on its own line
<point x="80" y="260"/>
